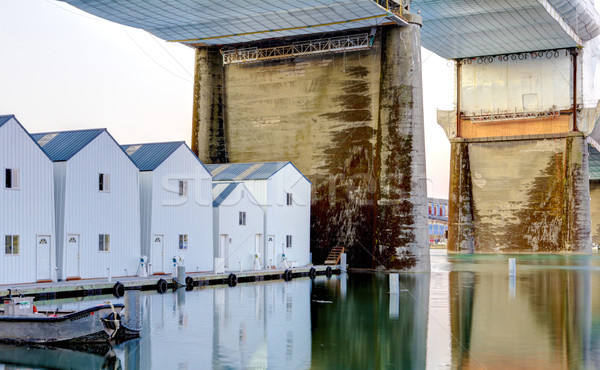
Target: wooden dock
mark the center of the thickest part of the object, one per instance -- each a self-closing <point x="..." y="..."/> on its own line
<point x="90" y="287"/>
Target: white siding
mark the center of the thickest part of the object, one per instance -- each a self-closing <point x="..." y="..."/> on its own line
<point x="242" y="246"/>
<point x="89" y="212"/>
<point x="146" y="179"/>
<point x="28" y="211"/>
<point x="282" y="220"/>
<point x="173" y="215"/>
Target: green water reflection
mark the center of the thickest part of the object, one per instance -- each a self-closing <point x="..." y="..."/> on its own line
<point x="468" y="313"/>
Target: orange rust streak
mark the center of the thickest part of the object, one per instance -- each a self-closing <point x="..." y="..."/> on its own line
<point x="536" y="126"/>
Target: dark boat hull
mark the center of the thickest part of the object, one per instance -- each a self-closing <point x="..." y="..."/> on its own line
<point x="85" y="326"/>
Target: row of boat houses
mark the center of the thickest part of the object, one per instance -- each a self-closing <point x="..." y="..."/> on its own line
<point x="77" y="205"/>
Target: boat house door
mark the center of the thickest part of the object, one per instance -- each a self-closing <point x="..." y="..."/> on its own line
<point x="44" y="267"/>
<point x="73" y="251"/>
<point x="271" y="250"/>
<point x="259" y="248"/>
<point x="224" y="249"/>
<point x="158" y="254"/>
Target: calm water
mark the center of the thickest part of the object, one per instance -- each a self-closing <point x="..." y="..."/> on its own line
<point x="466" y="314"/>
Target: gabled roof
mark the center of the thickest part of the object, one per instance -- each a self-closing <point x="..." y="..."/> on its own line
<point x="220" y="192"/>
<point x="244" y="171"/>
<point x="594" y="163"/>
<point x="66" y="144"/>
<point x="147" y="157"/>
<point x="6" y="118"/>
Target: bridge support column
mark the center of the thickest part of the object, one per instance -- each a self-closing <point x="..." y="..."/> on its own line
<point x="520" y="196"/>
<point x="460" y="211"/>
<point x="401" y="235"/>
<point x="208" y="128"/>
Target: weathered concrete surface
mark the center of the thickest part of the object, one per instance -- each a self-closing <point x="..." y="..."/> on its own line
<point x="595" y="209"/>
<point x="323" y="112"/>
<point x="208" y="133"/>
<point x="460" y="206"/>
<point x="320" y="112"/>
<point x="401" y="233"/>
<point x="527" y="196"/>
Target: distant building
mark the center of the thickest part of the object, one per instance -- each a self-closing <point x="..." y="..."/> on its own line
<point x="238" y="224"/>
<point x="284" y="194"/>
<point x="27" y="199"/>
<point x="437" y="219"/>
<point x="594" y="172"/>
<point x="176" y="206"/>
<point x="96" y="197"/>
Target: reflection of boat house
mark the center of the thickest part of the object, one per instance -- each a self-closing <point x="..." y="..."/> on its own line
<point x="175" y="201"/>
<point x="284" y="194"/>
<point x="238" y="224"/>
<point x="97" y="204"/>
<point x="27" y="217"/>
<point x="437" y="219"/>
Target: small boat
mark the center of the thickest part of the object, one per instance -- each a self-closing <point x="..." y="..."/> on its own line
<point x="21" y="322"/>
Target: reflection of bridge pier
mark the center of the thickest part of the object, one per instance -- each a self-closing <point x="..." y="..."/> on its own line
<point x="546" y="324"/>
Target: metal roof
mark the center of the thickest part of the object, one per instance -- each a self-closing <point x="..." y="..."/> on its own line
<point x="218" y="22"/>
<point x="468" y="28"/>
<point x="6" y="118"/>
<point x="594" y="163"/>
<point x="67" y="143"/>
<point x="220" y="192"/>
<point x="244" y="171"/>
<point x="149" y="156"/>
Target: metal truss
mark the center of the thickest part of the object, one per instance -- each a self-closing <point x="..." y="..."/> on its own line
<point x="511" y="116"/>
<point x="330" y="45"/>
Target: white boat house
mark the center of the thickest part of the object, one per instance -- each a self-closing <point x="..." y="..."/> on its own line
<point x="284" y="194"/>
<point x="27" y="218"/>
<point x="96" y="197"/>
<point x="238" y="228"/>
<point x="176" y="207"/>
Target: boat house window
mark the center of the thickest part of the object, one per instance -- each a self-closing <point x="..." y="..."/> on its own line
<point x="183" y="188"/>
<point x="289" y="199"/>
<point x="11" y="178"/>
<point x="11" y="244"/>
<point x="288" y="241"/>
<point x="242" y="218"/>
<point x="104" y="242"/>
<point x="104" y="182"/>
<point x="183" y="241"/>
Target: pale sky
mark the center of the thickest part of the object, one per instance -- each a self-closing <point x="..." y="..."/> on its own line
<point x="64" y="69"/>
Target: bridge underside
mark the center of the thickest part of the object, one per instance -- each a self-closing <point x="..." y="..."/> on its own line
<point x="352" y="121"/>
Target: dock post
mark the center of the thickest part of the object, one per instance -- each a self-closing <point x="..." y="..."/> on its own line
<point x="394" y="283"/>
<point x="512" y="267"/>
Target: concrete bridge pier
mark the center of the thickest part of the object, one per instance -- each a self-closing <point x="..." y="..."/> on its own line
<point x="519" y="163"/>
<point x="401" y="232"/>
<point x="351" y="121"/>
<point x="208" y="133"/>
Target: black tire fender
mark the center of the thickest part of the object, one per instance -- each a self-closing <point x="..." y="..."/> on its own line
<point x="161" y="286"/>
<point x="232" y="280"/>
<point x="118" y="289"/>
<point x="189" y="282"/>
